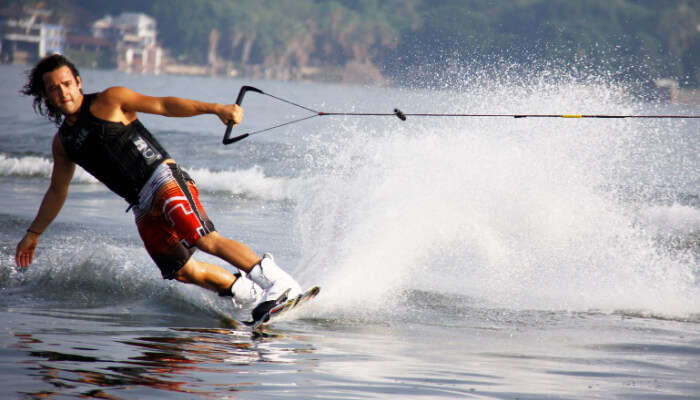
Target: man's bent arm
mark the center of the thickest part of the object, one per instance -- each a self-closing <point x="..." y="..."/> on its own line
<point x="52" y="203"/>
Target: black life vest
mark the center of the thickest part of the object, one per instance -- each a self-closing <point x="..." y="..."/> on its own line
<point x="122" y="157"/>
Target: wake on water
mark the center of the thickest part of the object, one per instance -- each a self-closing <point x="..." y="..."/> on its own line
<point x="114" y="277"/>
<point x="537" y="214"/>
<point x="520" y="214"/>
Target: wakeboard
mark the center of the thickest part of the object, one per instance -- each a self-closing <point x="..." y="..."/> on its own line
<point x="266" y="312"/>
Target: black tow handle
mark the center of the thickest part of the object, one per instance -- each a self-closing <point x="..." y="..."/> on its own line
<point x="229" y="126"/>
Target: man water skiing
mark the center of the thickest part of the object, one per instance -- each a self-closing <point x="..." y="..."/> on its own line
<point x="101" y="133"/>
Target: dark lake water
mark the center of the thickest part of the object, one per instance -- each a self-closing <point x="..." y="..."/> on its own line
<point x="459" y="258"/>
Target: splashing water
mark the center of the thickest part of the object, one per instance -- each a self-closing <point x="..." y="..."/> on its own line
<point x="521" y="214"/>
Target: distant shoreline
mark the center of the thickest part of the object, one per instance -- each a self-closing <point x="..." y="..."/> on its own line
<point x="365" y="74"/>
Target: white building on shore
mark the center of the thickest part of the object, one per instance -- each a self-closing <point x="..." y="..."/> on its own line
<point x="27" y="37"/>
<point x="135" y="38"/>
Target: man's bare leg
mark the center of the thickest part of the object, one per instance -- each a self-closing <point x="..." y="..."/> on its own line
<point x="235" y="253"/>
<point x="215" y="278"/>
<point x="212" y="276"/>
<point x="263" y="272"/>
<point x="206" y="275"/>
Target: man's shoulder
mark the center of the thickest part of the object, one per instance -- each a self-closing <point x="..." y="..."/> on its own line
<point x="113" y="93"/>
<point x="110" y="104"/>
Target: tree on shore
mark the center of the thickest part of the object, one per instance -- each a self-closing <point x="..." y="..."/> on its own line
<point x="636" y="38"/>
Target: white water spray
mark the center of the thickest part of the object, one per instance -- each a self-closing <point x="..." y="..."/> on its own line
<point x="520" y="214"/>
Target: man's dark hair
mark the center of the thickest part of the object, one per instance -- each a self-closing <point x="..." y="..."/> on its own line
<point x="35" y="85"/>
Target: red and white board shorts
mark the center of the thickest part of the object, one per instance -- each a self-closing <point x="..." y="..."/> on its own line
<point x="170" y="218"/>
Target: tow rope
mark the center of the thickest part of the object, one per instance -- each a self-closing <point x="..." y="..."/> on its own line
<point x="402" y="116"/>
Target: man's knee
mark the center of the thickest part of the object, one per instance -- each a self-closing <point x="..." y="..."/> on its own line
<point x="209" y="243"/>
<point x="184" y="274"/>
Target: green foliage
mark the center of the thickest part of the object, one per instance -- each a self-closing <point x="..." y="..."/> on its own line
<point x="639" y="38"/>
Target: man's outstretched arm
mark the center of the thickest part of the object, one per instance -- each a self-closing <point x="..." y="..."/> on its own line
<point x="52" y="203"/>
<point x="117" y="102"/>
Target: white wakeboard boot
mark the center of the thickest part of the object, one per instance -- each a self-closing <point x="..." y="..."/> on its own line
<point x="274" y="282"/>
<point x="246" y="293"/>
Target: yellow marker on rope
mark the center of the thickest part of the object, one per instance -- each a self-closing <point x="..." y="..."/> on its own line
<point x="572" y="116"/>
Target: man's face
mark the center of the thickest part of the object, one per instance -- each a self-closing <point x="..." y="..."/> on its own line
<point x="62" y="90"/>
